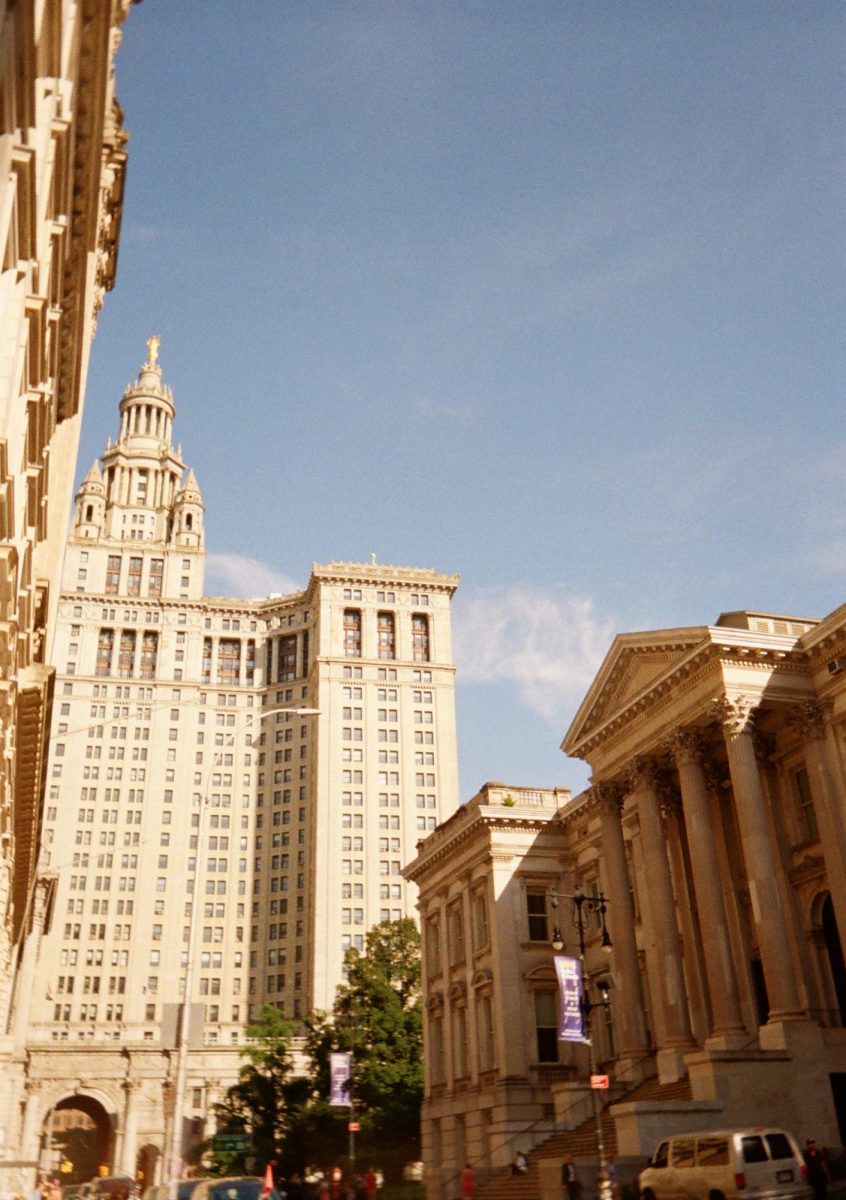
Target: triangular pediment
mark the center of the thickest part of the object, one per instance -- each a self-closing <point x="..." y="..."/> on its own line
<point x="632" y="665"/>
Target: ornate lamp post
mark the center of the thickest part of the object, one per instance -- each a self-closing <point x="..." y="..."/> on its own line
<point x="583" y="908"/>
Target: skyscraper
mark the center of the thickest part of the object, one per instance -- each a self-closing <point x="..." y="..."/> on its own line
<point x="183" y="767"/>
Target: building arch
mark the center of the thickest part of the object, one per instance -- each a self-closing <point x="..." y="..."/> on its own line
<point x="826" y="937"/>
<point x="78" y="1129"/>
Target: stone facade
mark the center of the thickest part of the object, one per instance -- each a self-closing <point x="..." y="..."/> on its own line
<point x="178" y="771"/>
<point x="62" y="163"/>
<point x="715" y="827"/>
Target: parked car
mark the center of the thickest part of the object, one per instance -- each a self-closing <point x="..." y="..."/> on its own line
<point x="726" y="1164"/>
<point x="244" y="1187"/>
<point x="112" y="1187"/>
<point x="160" y="1191"/>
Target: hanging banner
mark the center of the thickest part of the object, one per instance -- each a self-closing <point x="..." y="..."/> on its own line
<point x="571" y="1023"/>
<point x="340" y="1065"/>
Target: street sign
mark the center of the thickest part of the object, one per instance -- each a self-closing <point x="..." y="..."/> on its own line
<point x="354" y="1126"/>
<point x="234" y="1142"/>
<point x="599" y="1081"/>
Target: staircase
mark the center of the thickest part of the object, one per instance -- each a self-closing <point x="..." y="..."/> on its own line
<point x="580" y="1142"/>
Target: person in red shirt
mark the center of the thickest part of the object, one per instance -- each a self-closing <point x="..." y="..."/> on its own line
<point x="468" y="1183"/>
<point x="371" y="1183"/>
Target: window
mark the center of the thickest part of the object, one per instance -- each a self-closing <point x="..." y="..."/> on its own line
<point x="386" y="635"/>
<point x="105" y="645"/>
<point x="805" y="805"/>
<point x="229" y="661"/>
<point x="420" y="637"/>
<point x="546" y="1026"/>
<point x="455" y="927"/>
<point x="538" y="920"/>
<point x="154" y="587"/>
<point x="133" y="581"/>
<point x="113" y="574"/>
<point x="286" y="661"/>
<point x="352" y="633"/>
<point x="480" y="921"/>
<point x="149" y="654"/>
<point x="126" y="654"/>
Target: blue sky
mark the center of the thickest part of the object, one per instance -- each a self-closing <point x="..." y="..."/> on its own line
<point x="547" y="294"/>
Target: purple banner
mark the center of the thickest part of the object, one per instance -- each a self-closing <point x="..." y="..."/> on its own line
<point x="571" y="1024"/>
<point x="340" y="1063"/>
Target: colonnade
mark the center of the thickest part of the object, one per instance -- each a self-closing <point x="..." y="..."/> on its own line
<point x="641" y="792"/>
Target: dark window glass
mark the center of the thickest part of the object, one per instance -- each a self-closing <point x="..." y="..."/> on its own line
<point x="754" y="1150"/>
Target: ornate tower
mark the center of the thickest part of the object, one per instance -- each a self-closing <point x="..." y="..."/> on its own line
<point x="137" y="496"/>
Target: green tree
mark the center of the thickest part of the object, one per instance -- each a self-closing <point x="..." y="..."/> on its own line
<point x="260" y="1104"/>
<point x="378" y="1016"/>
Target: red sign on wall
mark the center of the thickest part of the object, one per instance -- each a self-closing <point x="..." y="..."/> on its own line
<point x="599" y="1081"/>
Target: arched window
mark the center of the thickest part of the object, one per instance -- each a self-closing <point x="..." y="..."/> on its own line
<point x="189" y="520"/>
<point x="89" y="512"/>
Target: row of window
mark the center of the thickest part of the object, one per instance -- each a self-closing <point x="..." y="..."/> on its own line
<point x="386" y="643"/>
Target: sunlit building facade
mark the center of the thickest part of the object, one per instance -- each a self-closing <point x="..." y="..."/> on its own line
<point x="273" y="761"/>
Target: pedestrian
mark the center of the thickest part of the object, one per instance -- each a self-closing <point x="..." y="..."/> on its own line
<point x="37" y="1191"/>
<point x="519" y="1163"/>
<point x="468" y="1183"/>
<point x="570" y="1179"/>
<point x="611" y="1174"/>
<point x="371" y="1182"/>
<point x="818" y="1173"/>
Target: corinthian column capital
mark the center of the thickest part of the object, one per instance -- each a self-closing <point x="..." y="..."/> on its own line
<point x="607" y="798"/>
<point x="810" y="718"/>
<point x="685" y="746"/>
<point x="642" y="774"/>
<point x="736" y="714"/>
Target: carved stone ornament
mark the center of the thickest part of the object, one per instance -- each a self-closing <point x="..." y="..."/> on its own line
<point x="685" y="745"/>
<point x="642" y="774"/>
<point x="736" y="714"/>
<point x="809" y="719"/>
<point x="607" y="798"/>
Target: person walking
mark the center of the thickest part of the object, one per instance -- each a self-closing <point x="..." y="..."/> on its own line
<point x="468" y="1183"/>
<point x="818" y="1173"/>
<point x="570" y="1179"/>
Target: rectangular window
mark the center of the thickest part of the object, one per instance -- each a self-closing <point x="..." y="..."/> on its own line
<point x="149" y="654"/>
<point x="805" y="805"/>
<point x="113" y="574"/>
<point x="546" y="1026"/>
<point x="250" y="663"/>
<point x="154" y="587"/>
<point x="286" y="658"/>
<point x="229" y="662"/>
<point x="352" y="633"/>
<point x="105" y="645"/>
<point x="207" y="660"/>
<point x="420" y="637"/>
<point x="386" y="635"/>
<point x="537" y="914"/>
<point x="126" y="654"/>
<point x="133" y="581"/>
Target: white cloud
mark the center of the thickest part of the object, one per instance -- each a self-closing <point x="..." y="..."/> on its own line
<point x="546" y="642"/>
<point x="238" y="575"/>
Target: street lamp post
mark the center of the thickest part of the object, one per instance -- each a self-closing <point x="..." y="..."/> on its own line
<point x="175" y="1155"/>
<point x="585" y="907"/>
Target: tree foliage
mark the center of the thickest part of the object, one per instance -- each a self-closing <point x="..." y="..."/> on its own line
<point x="377" y="1015"/>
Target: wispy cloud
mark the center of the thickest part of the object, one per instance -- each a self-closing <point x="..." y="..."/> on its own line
<point x="239" y="575"/>
<point x="545" y="641"/>
<point x="143" y="233"/>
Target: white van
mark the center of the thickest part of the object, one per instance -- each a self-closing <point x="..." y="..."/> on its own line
<point x="726" y="1165"/>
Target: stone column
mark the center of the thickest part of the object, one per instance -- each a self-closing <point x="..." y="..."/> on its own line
<point x="728" y="1028"/>
<point x="31" y="1124"/>
<point x="737" y="719"/>
<point x="628" y="1004"/>
<point x="672" y="1019"/>
<point x="129" y="1148"/>
<point x="812" y="721"/>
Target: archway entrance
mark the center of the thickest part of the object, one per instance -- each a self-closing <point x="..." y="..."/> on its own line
<point x="77" y="1139"/>
<point x="145" y="1166"/>
<point x="834" y="947"/>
